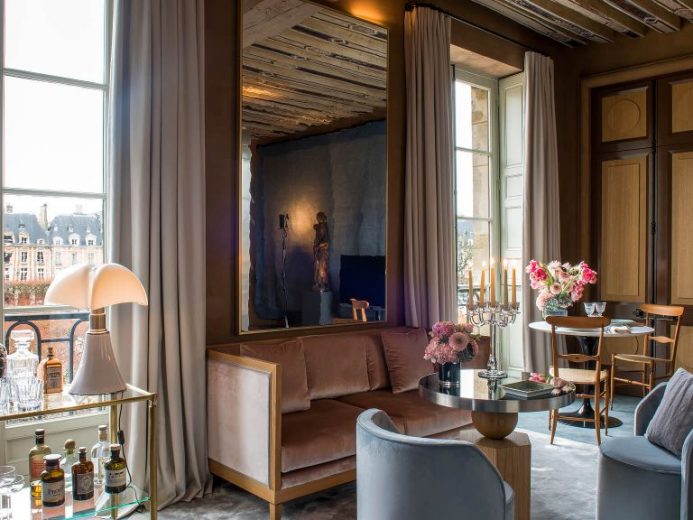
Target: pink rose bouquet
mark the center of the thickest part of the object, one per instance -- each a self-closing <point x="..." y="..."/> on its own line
<point x="451" y="343"/>
<point x="559" y="285"/>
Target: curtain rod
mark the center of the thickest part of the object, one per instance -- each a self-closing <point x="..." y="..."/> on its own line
<point x="411" y="5"/>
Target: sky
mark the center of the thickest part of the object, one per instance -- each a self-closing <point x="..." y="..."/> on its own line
<point x="53" y="133"/>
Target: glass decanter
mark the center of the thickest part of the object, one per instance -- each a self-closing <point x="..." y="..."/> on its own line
<point x="22" y="362"/>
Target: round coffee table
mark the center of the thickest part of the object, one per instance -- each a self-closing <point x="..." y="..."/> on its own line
<point x="494" y="412"/>
<point x="588" y="339"/>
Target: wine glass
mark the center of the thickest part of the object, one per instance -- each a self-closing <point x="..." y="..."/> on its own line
<point x="589" y="308"/>
<point x="599" y="308"/>
<point x="8" y="486"/>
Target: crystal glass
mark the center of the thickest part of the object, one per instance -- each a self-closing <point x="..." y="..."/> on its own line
<point x="22" y="362"/>
<point x="4" y="395"/>
<point x="589" y="308"/>
<point x="29" y="392"/>
<point x="9" y="485"/>
<point x="599" y="308"/>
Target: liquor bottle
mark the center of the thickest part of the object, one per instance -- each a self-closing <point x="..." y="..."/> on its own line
<point x="21" y="362"/>
<point x="100" y="454"/>
<point x="50" y="371"/>
<point x="69" y="458"/>
<point x="83" y="477"/>
<point x="53" y="482"/>
<point x="36" y="464"/>
<point x="115" y="472"/>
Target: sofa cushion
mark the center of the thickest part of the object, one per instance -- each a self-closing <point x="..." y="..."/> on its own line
<point x="336" y="365"/>
<point x="375" y="357"/>
<point x="673" y="420"/>
<point x="288" y="354"/>
<point x="640" y="453"/>
<point x="404" y="351"/>
<point x="412" y="414"/>
<point x="322" y="434"/>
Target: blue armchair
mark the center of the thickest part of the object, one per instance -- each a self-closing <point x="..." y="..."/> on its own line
<point x="410" y="478"/>
<point x="639" y="480"/>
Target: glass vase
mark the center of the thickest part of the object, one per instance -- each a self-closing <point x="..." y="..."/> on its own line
<point x="555" y="308"/>
<point x="449" y="374"/>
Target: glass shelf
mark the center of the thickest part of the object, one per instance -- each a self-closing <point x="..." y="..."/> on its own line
<point x="66" y="402"/>
<point x="102" y="505"/>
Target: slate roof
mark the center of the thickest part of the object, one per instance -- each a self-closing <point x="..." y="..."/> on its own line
<point x="81" y="224"/>
<point x="27" y="222"/>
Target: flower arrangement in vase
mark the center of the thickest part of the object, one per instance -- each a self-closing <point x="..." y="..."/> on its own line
<point x="450" y="345"/>
<point x="560" y="285"/>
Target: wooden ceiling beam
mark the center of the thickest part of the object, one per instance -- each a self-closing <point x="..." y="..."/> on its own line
<point x="354" y="38"/>
<point x="611" y="17"/>
<point x="272" y="17"/>
<point x="679" y="8"/>
<point x="309" y="41"/>
<point x="653" y="15"/>
<point x="569" y="19"/>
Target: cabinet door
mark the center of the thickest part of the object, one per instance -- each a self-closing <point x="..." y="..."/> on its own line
<point x="675" y="110"/>
<point x="623" y="258"/>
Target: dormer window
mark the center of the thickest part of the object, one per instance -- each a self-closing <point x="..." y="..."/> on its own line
<point x="91" y="240"/>
<point x="8" y="238"/>
<point x="74" y="240"/>
<point x="40" y="242"/>
<point x="57" y="241"/>
<point x="23" y="239"/>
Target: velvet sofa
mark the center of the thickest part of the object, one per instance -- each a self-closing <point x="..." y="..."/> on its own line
<point x="281" y="437"/>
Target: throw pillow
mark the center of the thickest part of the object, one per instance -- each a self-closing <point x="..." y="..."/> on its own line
<point x="404" y="351"/>
<point x="290" y="356"/>
<point x="673" y="419"/>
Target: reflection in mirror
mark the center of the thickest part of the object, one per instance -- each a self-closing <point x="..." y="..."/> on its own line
<point x="314" y="167"/>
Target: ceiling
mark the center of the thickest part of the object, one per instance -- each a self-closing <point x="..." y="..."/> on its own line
<point x="306" y="67"/>
<point x="578" y="22"/>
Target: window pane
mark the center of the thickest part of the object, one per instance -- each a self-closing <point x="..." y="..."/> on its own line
<point x="62" y="38"/>
<point x="473" y="249"/>
<point x="43" y="235"/>
<point x="471" y="117"/>
<point x="472" y="179"/>
<point x="53" y="136"/>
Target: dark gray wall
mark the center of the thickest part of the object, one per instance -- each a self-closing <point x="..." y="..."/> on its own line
<point x="341" y="173"/>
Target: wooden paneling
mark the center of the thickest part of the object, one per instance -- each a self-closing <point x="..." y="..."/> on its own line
<point x="623" y="260"/>
<point x="684" y="354"/>
<point x="682" y="228"/>
<point x="682" y="106"/>
<point x="624" y="115"/>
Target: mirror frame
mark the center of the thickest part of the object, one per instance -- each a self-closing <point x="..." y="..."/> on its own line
<point x="238" y="184"/>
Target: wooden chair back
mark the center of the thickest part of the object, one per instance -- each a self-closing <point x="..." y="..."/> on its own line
<point x="670" y="311"/>
<point x="576" y="322"/>
<point x="359" y="306"/>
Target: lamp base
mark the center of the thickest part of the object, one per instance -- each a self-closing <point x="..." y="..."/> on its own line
<point x="98" y="371"/>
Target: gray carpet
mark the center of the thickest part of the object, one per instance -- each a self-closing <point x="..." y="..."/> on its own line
<point x="563" y="487"/>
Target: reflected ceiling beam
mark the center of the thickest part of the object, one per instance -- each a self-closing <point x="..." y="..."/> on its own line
<point x="568" y="19"/>
<point x="650" y="13"/>
<point x="602" y="12"/>
<point x="268" y="18"/>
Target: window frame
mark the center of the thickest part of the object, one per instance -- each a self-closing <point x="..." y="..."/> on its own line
<point x="493" y="220"/>
<point x="104" y="195"/>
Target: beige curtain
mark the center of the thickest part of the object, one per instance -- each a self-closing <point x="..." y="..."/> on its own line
<point x="156" y="160"/>
<point x="430" y="287"/>
<point x="541" y="222"/>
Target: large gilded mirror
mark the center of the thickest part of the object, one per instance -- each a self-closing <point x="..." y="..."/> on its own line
<point x="314" y="167"/>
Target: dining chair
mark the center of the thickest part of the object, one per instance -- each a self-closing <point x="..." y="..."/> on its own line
<point x="588" y="377"/>
<point x="648" y="363"/>
<point x="359" y="305"/>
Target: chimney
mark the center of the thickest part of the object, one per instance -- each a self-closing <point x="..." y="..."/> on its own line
<point x="8" y="209"/>
<point x="43" y="216"/>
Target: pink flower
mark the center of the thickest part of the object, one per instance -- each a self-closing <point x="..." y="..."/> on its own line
<point x="532" y="267"/>
<point x="555" y="288"/>
<point x="576" y="292"/>
<point x="540" y="275"/>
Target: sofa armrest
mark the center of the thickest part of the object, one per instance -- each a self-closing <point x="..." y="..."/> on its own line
<point x="244" y="416"/>
<point x="646" y="408"/>
<point x="687" y="478"/>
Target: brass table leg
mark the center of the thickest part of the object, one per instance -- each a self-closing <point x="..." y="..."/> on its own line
<point x="114" y="440"/>
<point x="153" y="445"/>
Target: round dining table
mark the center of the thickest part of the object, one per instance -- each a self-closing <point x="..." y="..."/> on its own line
<point x="588" y="339"/>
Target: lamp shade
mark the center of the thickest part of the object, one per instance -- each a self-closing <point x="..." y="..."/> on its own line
<point x="87" y="286"/>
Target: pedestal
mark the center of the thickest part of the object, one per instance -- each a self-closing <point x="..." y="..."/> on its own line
<point x="316" y="308"/>
<point x="512" y="457"/>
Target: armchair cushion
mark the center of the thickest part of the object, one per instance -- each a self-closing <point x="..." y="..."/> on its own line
<point x="288" y="354"/>
<point x="404" y="351"/>
<point x="640" y="453"/>
<point x="673" y="420"/>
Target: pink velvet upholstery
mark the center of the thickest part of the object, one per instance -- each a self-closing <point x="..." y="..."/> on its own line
<point x="377" y="367"/>
<point x="404" y="350"/>
<point x="421" y="418"/>
<point x="322" y="434"/>
<point x="288" y="354"/>
<point x="336" y="365"/>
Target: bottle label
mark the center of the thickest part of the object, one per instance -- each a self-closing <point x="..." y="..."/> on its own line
<point x="54" y="492"/>
<point x="36" y="467"/>
<point x="54" y="378"/>
<point x="115" y="478"/>
<point x="84" y="483"/>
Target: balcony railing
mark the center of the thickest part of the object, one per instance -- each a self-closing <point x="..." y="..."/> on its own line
<point x="31" y="320"/>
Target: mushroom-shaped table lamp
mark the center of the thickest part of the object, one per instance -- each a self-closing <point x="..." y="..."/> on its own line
<point x="93" y="287"/>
